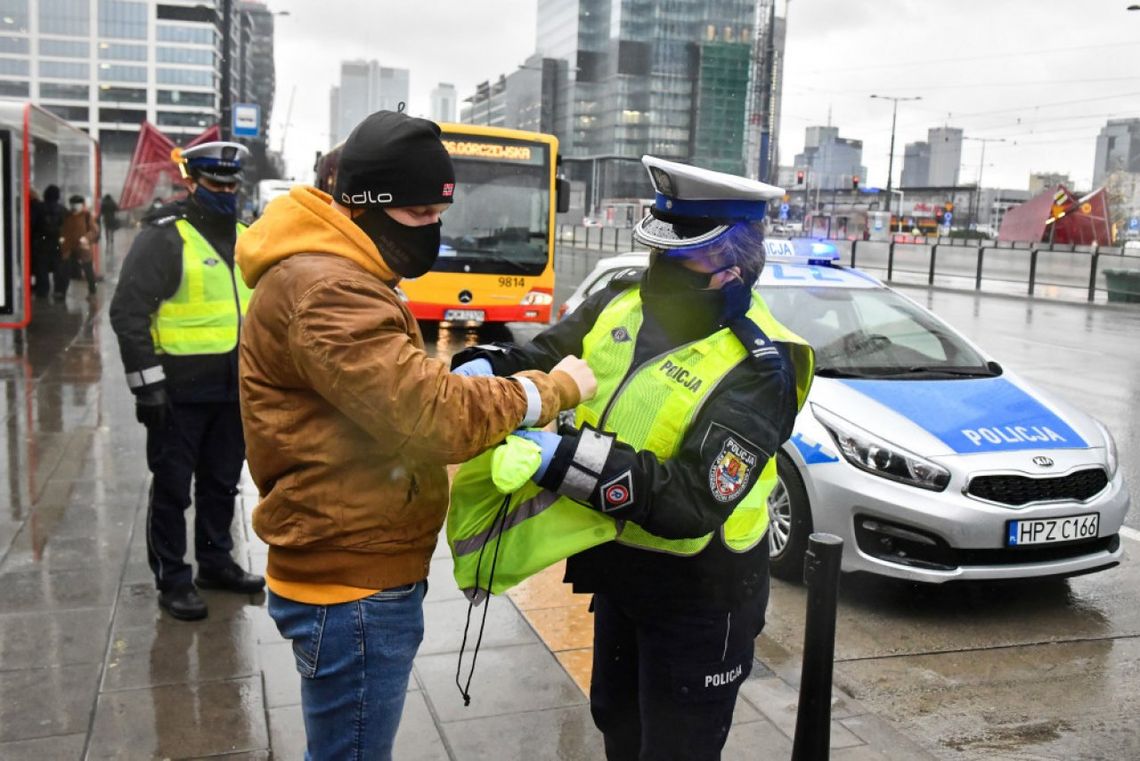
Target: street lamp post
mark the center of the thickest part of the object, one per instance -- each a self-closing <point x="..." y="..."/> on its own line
<point x="891" y="158"/>
<point x="981" y="165"/>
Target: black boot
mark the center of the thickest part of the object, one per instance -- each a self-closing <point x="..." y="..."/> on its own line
<point x="230" y="579"/>
<point x="183" y="603"/>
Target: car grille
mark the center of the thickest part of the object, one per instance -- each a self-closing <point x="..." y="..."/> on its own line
<point x="1023" y="490"/>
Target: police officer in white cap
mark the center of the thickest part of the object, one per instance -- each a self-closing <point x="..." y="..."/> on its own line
<point x="698" y="386"/>
<point x="177" y="311"/>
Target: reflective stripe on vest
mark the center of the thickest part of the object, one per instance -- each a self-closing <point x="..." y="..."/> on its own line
<point x="651" y="408"/>
<point x="202" y="316"/>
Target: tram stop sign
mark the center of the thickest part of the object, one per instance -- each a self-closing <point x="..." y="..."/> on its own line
<point x="246" y="120"/>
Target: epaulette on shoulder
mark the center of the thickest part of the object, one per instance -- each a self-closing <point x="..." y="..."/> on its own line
<point x="169" y="219"/>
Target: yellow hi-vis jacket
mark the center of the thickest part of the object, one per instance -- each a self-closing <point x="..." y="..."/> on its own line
<point x="204" y="314"/>
<point x="649" y="409"/>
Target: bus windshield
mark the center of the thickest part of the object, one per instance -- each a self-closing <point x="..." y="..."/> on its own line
<point x="499" y="223"/>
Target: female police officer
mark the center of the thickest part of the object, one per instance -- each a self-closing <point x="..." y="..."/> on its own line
<point x="698" y="386"/>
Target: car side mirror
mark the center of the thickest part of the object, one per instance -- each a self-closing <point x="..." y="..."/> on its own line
<point x="994" y="367"/>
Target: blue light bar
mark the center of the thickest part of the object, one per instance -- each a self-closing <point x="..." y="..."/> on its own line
<point x="802" y="251"/>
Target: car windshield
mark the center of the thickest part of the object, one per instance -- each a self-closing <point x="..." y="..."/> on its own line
<point x="872" y="332"/>
<point x="499" y="222"/>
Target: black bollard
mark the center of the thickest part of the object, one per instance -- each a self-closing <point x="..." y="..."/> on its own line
<point x="813" y="717"/>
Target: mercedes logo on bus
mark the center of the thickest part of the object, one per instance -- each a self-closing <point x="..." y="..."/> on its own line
<point x="465" y="297"/>
<point x="1043" y="462"/>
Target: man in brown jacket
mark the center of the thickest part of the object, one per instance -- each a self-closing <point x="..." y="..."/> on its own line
<point x="78" y="234"/>
<point x="348" y="424"/>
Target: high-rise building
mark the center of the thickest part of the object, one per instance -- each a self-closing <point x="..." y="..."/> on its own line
<point x="916" y="165"/>
<point x="830" y="161"/>
<point x="1038" y="181"/>
<point x="1117" y="149"/>
<point x="365" y="87"/>
<point x="443" y="102"/>
<point x="517" y="100"/>
<point x="674" y="80"/>
<point x="945" y="156"/>
<point x="109" y="65"/>
<point x="934" y="162"/>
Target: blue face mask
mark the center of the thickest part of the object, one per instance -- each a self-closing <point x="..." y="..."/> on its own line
<point x="222" y="204"/>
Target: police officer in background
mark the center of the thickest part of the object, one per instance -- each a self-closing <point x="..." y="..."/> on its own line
<point x="177" y="311"/>
<point x="698" y="386"/>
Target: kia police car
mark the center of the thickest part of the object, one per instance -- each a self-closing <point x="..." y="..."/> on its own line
<point x="931" y="461"/>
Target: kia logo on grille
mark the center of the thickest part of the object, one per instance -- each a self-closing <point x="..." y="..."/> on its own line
<point x="465" y="298"/>
<point x="1044" y="462"/>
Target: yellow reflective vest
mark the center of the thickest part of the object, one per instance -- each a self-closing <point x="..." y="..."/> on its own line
<point x="204" y="314"/>
<point x="651" y="408"/>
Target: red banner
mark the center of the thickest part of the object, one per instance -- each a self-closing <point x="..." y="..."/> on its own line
<point x="151" y="161"/>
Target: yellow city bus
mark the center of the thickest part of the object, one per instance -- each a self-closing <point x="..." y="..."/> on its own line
<point x="496" y="260"/>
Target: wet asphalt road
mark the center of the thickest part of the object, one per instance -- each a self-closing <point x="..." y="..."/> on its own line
<point x="1024" y="671"/>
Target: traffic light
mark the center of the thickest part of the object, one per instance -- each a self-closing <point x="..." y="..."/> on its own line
<point x="855" y="182"/>
<point x="799" y="177"/>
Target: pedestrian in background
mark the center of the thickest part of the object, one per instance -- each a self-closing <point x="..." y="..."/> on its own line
<point x="47" y="220"/>
<point x="177" y="311"/>
<point x="78" y="235"/>
<point x="109" y="217"/>
<point x="699" y="386"/>
<point x="349" y="424"/>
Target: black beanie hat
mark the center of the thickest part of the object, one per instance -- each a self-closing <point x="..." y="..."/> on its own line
<point x="392" y="159"/>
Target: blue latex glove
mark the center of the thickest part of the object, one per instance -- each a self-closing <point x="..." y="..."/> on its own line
<point x="549" y="443"/>
<point x="474" y="367"/>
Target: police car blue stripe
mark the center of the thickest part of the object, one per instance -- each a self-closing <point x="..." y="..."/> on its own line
<point x="812" y="452"/>
<point x="976" y="415"/>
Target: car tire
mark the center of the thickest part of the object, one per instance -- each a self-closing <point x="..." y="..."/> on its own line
<point x="789" y="522"/>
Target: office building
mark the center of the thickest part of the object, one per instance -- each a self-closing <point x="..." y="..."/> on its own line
<point x="365" y="87"/>
<point x="443" y="102"/>
<point x="108" y="65"/>
<point x="1038" y="181"/>
<point x="518" y="100"/>
<point x="829" y="161"/>
<point x="1117" y="149"/>
<point x="934" y="162"/>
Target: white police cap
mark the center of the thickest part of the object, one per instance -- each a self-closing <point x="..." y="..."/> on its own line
<point x="219" y="161"/>
<point x="695" y="206"/>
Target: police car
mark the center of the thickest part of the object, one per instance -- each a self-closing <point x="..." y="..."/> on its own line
<point x="928" y="458"/>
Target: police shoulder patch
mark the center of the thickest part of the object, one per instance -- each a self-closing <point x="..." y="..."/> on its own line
<point x="732" y="469"/>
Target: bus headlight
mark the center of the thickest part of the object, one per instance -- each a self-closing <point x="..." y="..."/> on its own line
<point x="538" y="299"/>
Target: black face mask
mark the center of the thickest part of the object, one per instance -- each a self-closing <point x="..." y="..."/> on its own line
<point x="679" y="299"/>
<point x="409" y="251"/>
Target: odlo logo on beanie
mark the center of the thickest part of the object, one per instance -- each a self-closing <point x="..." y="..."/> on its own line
<point x="365" y="198"/>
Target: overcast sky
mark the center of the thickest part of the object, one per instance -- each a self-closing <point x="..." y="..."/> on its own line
<point x="1044" y="75"/>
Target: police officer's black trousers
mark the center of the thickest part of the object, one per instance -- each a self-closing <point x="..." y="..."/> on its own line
<point x="201" y="443"/>
<point x="665" y="680"/>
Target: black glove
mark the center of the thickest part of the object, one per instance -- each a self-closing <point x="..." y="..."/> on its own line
<point x="152" y="407"/>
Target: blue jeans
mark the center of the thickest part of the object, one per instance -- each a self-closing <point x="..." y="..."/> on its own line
<point x="355" y="659"/>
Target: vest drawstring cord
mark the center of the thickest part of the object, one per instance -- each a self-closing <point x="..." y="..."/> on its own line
<point x="496" y="532"/>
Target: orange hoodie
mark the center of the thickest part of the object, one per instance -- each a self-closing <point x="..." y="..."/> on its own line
<point x="348" y="422"/>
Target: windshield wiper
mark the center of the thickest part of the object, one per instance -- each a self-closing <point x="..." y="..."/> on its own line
<point x="964" y="372"/>
<point x="835" y="372"/>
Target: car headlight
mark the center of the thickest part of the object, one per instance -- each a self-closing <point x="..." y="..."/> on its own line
<point x="868" y="452"/>
<point x="1109" y="450"/>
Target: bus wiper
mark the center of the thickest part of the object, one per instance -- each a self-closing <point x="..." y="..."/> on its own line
<point x="489" y="255"/>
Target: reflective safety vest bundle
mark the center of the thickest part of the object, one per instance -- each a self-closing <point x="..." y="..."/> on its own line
<point x="202" y="317"/>
<point x="649" y="408"/>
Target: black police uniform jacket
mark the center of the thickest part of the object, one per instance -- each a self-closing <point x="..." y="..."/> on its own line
<point x="151" y="273"/>
<point x="755" y="404"/>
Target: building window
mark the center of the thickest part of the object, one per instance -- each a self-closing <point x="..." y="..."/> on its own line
<point x="65" y="48"/>
<point x="12" y="89"/>
<point x="68" y="17"/>
<point x="17" y="45"/>
<point x="197" y="77"/>
<point x="203" y="35"/>
<point x="71" y="113"/>
<point x="185" y="98"/>
<point x="185" y="119"/>
<point x="115" y="72"/>
<point x="62" y="91"/>
<point x="114" y="142"/>
<point x="17" y="67"/>
<point x="14" y="15"/>
<point x="197" y="56"/>
<point x="111" y="94"/>
<point x="65" y="69"/>
<point x="122" y="19"/>
<point x="118" y="51"/>
<point x="128" y="115"/>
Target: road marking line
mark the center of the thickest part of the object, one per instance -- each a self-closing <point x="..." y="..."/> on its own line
<point x="1130" y="533"/>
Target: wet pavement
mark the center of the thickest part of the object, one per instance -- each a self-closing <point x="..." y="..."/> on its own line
<point x="92" y="669"/>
